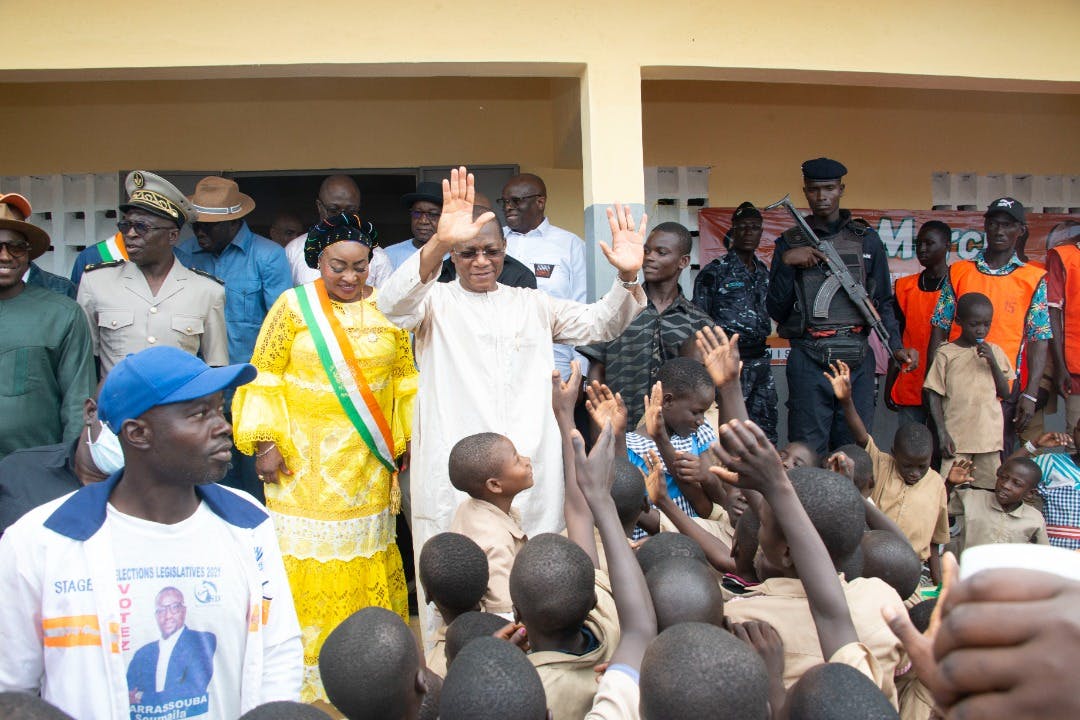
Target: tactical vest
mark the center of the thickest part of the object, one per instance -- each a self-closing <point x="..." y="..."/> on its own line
<point x="820" y="300"/>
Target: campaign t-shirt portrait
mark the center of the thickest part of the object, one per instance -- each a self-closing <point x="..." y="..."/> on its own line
<point x="183" y="612"/>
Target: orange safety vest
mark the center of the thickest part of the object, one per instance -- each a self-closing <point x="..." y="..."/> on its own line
<point x="918" y="307"/>
<point x="1070" y="312"/>
<point x="1010" y="294"/>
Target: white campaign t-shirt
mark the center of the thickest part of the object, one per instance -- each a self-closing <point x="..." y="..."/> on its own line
<point x="183" y="615"/>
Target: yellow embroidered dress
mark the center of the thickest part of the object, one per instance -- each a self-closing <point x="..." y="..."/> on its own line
<point x="332" y="515"/>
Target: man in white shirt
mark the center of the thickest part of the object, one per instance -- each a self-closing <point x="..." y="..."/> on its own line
<point x="337" y="194"/>
<point x="556" y="256"/>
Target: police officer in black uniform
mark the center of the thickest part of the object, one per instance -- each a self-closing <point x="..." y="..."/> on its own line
<point x="732" y="290"/>
<point x="835" y="329"/>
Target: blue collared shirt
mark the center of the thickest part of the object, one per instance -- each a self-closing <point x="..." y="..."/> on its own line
<point x="255" y="271"/>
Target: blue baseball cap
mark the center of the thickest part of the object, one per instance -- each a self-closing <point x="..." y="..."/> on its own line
<point x="162" y="376"/>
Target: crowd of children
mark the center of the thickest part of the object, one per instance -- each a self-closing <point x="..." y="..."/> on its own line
<point x="713" y="575"/>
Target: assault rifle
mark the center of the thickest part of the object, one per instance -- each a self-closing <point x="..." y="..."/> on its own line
<point x="838" y="277"/>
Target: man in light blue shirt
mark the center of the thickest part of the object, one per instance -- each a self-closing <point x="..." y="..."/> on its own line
<point x="425" y="207"/>
<point x="254" y="269"/>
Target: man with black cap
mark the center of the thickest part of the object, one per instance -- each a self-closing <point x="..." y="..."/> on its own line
<point x="424" y="206"/>
<point x="1018" y="292"/>
<point x="84" y="576"/>
<point x="797" y="276"/>
<point x="253" y="268"/>
<point x="46" y="363"/>
<point x="732" y="290"/>
<point x="151" y="299"/>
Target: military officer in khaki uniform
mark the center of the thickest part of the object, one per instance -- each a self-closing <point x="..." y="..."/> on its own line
<point x="151" y="299"/>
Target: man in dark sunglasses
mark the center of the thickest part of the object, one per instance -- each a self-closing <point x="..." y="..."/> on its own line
<point x="148" y="298"/>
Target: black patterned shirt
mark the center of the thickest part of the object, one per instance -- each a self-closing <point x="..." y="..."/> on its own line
<point x="632" y="360"/>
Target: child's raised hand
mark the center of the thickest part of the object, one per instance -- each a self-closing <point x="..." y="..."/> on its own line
<point x="594" y="473"/>
<point x="654" y="413"/>
<point x="840" y="379"/>
<point x="719" y="354"/>
<point x="960" y="472"/>
<point x="605" y="407"/>
<point x="743" y="449"/>
<point x="840" y="463"/>
<point x="515" y="634"/>
<point x="688" y="468"/>
<point x="564" y="395"/>
<point x="654" y="481"/>
<point x="1053" y="439"/>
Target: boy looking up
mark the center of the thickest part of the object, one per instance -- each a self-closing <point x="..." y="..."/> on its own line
<point x="905" y="488"/>
<point x="966" y="384"/>
<point x="916" y="297"/>
<point x="676" y="429"/>
<point x="1000" y="516"/>
<point x="489" y="469"/>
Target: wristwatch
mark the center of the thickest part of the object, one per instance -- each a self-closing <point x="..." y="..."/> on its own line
<point x="629" y="284"/>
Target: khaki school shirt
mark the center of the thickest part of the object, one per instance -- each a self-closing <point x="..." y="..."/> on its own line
<point x="782" y="603"/>
<point x="718" y="524"/>
<point x="436" y="656"/>
<point x="569" y="680"/>
<point x="860" y="657"/>
<point x="916" y="702"/>
<point x="984" y="522"/>
<point x="921" y="510"/>
<point x="500" y="537"/>
<point x="971" y="406"/>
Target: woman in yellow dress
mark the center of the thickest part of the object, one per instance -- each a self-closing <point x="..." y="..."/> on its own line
<point x="329" y="420"/>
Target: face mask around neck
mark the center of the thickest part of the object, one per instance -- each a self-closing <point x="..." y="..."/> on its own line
<point x="106" y="451"/>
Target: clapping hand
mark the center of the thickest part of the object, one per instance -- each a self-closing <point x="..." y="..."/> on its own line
<point x="627" y="249"/>
<point x="654" y="413"/>
<point x="605" y="407"/>
<point x="655" y="482"/>
<point x="719" y="354"/>
<point x="840" y="379"/>
<point x="456" y="224"/>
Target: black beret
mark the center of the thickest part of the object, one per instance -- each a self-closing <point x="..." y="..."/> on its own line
<point x="745" y="210"/>
<point x="823" y="168"/>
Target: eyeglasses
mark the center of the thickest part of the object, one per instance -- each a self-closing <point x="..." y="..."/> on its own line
<point x="16" y="248"/>
<point x="471" y="253"/>
<point x="173" y="608"/>
<point x="425" y="215"/>
<point x="140" y="228"/>
<point x="515" y="201"/>
<point x="331" y="210"/>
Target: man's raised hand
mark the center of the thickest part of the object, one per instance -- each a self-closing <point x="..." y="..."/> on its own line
<point x="627" y="249"/>
<point x="456" y="224"/>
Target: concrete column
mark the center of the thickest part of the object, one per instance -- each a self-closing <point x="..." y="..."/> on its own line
<point x="612" y="157"/>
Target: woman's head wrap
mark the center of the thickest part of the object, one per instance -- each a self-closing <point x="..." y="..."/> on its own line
<point x="335" y="229"/>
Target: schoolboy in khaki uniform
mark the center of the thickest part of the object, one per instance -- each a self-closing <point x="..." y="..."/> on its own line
<point x="1000" y="516"/>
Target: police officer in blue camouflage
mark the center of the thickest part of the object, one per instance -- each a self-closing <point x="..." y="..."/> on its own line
<point x="732" y="290"/>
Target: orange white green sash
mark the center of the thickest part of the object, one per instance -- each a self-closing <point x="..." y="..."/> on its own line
<point x="113" y="249"/>
<point x="339" y="362"/>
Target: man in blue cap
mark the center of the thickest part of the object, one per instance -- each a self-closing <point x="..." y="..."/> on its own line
<point x="84" y="575"/>
<point x="797" y="276"/>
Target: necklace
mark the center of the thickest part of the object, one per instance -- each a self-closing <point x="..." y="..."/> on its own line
<point x="923" y="282"/>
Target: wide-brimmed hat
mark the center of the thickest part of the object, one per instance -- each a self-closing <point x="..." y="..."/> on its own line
<point x="429" y="191"/>
<point x="154" y="194"/>
<point x="219" y="199"/>
<point x="14" y="209"/>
